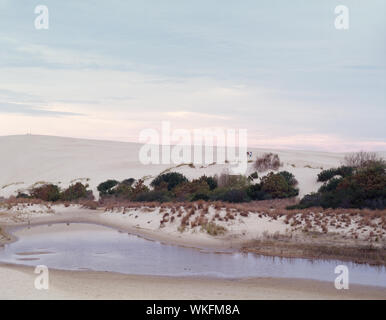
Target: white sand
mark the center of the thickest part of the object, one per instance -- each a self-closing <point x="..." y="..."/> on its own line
<point x="19" y="282"/>
<point x="146" y="223"/>
<point x="27" y="159"/>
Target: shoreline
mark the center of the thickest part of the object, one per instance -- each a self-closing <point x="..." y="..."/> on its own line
<point x="267" y="249"/>
<point x="110" y="285"/>
<point x="280" y="246"/>
<point x="137" y="231"/>
<point x="85" y="284"/>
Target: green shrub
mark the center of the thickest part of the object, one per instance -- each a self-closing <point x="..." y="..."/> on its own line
<point x="226" y="180"/>
<point x="345" y="171"/>
<point x="289" y="178"/>
<point x="229" y="195"/>
<point x="212" y="183"/>
<point x="275" y="184"/>
<point x="153" y="195"/>
<point x="186" y="191"/>
<point x="122" y="190"/>
<point x="365" y="187"/>
<point x="47" y="192"/>
<point x="170" y="180"/>
<point x="236" y="195"/>
<point x="200" y="196"/>
<point x="75" y="192"/>
<point x="105" y="188"/>
<point x="330" y="185"/>
<point x="342" y="171"/>
<point x="139" y="188"/>
<point x="255" y="193"/>
<point x="326" y="175"/>
<point x="308" y="201"/>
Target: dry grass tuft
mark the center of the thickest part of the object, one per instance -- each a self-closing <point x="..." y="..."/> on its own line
<point x="268" y="161"/>
<point x="213" y="229"/>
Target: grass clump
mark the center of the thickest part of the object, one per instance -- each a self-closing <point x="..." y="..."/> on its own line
<point x="213" y="229"/>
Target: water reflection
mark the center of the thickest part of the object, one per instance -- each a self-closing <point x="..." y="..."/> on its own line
<point x="90" y="247"/>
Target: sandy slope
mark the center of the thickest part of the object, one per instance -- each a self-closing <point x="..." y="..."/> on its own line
<point x="145" y="222"/>
<point x="27" y="159"/>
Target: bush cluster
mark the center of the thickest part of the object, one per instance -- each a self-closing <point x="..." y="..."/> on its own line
<point x="363" y="159"/>
<point x="212" y="182"/>
<point x="274" y="185"/>
<point x="51" y="192"/>
<point x="153" y="196"/>
<point x="106" y="187"/>
<point x="342" y="171"/>
<point x="75" y="192"/>
<point x="229" y="195"/>
<point x="168" y="180"/>
<point x="187" y="191"/>
<point x="174" y="186"/>
<point x="234" y="181"/>
<point x="47" y="192"/>
<point x="127" y="189"/>
<point x="279" y="185"/>
<point x="364" y="187"/>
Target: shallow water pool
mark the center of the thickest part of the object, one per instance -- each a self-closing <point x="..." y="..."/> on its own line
<point x="79" y="246"/>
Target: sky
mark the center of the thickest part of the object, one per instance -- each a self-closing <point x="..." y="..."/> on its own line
<point x="278" y="68"/>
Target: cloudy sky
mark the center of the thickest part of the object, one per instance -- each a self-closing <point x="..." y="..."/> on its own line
<point x="277" y="68"/>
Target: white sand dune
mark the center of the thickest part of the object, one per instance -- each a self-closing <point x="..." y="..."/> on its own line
<point x="27" y="159"/>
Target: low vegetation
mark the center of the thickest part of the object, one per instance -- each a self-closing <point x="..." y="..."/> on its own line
<point x="284" y="247"/>
<point x="173" y="186"/>
<point x="213" y="229"/>
<point x="53" y="193"/>
<point x="362" y="159"/>
<point x="168" y="180"/>
<point x="342" y="171"/>
<point x="327" y="222"/>
<point x="362" y="185"/>
<point x="268" y="161"/>
<point x="359" y="183"/>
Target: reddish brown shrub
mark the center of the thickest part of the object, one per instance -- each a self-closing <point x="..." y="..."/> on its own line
<point x="268" y="161"/>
